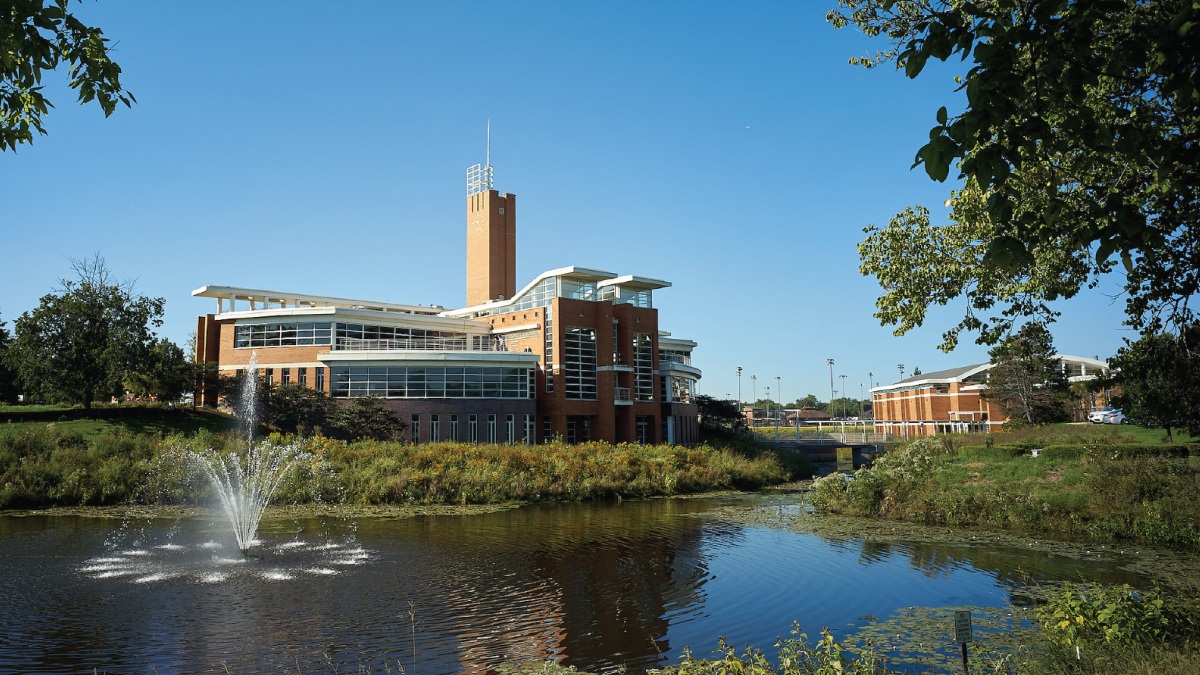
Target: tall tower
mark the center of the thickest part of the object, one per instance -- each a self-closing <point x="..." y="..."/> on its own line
<point x="491" y="237"/>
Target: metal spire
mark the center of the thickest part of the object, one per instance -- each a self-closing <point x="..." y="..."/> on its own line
<point x="489" y="149"/>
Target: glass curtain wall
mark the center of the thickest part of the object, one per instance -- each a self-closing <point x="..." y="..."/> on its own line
<point x="643" y="366"/>
<point x="580" y="363"/>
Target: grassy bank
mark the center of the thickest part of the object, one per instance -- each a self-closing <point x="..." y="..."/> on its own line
<point x="45" y="465"/>
<point x="1097" y="484"/>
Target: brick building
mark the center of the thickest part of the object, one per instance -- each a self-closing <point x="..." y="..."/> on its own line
<point x="577" y="352"/>
<point x="951" y="401"/>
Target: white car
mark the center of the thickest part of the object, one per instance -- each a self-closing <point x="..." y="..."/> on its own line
<point x="1097" y="416"/>
<point x="1115" y="417"/>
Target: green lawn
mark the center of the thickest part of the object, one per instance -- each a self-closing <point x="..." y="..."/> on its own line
<point x="182" y="420"/>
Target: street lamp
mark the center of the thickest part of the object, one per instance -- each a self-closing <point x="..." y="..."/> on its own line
<point x="901" y="367"/>
<point x="739" y="374"/>
<point x="844" y="415"/>
<point x="779" y="391"/>
<point x="831" y="392"/>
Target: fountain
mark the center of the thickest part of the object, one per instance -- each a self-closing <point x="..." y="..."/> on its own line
<point x="245" y="485"/>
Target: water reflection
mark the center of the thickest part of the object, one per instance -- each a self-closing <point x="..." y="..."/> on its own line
<point x="599" y="586"/>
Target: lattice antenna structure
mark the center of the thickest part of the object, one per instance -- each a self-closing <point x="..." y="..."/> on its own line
<point x="479" y="177"/>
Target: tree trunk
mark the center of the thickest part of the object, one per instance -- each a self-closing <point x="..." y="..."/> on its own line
<point x="1170" y="438"/>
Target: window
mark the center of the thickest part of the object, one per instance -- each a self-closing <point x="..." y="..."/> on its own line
<point x="643" y="428"/>
<point x="510" y="423"/>
<point x="285" y="375"/>
<point x="491" y="429"/>
<point x="616" y="343"/>
<point x="579" y="429"/>
<point x="682" y="388"/>
<point x="281" y="334"/>
<point x="270" y="376"/>
<point x="549" y="365"/>
<point x="454" y="428"/>
<point x="643" y="367"/>
<point x="676" y="356"/>
<point x="473" y="429"/>
<point x="580" y="351"/>
<point x="529" y="430"/>
<point x="435" y="429"/>
<point x="321" y="379"/>
<point x="422" y="382"/>
<point x="241" y="372"/>
<point x="547" y="431"/>
<point x="302" y="376"/>
<point x="415" y="428"/>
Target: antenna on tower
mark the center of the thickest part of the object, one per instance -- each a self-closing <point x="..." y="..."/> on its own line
<point x="479" y="177"/>
<point x="489" y="150"/>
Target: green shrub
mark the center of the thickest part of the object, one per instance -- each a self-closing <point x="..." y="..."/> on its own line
<point x="1118" y="616"/>
<point x="992" y="452"/>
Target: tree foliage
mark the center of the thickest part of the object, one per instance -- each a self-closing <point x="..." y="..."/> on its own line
<point x="1159" y="378"/>
<point x="8" y="377"/>
<point x="1026" y="381"/>
<point x="719" y="412"/>
<point x="368" y="417"/>
<point x="37" y="36"/>
<point x="298" y="408"/>
<point x="165" y="374"/>
<point x="1077" y="143"/>
<point x="84" y="342"/>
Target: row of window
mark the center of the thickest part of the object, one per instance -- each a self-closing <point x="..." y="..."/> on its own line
<point x="409" y="382"/>
<point x="285" y="376"/>
<point x="302" y="334"/>
<point x="474" y="429"/>
<point x="580" y="361"/>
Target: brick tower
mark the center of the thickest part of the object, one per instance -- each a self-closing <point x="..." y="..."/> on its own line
<point x="491" y="237"/>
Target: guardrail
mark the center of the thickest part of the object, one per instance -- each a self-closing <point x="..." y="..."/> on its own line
<point x="420" y="344"/>
<point x="621" y="394"/>
<point x="676" y="358"/>
<point x="789" y="437"/>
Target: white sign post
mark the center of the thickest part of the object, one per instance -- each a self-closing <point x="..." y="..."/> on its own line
<point x="962" y="634"/>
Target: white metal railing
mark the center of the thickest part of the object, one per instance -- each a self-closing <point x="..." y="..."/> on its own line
<point x="788" y="436"/>
<point x="622" y="394"/>
<point x="676" y="358"/>
<point x="421" y="344"/>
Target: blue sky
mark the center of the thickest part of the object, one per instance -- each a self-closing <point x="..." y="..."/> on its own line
<point x="321" y="148"/>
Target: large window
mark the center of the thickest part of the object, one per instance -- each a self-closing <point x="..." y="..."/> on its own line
<point x="580" y="352"/>
<point x="682" y="388"/>
<point x="401" y="382"/>
<point x="549" y="356"/>
<point x="676" y="356"/>
<point x="643" y="367"/>
<point x="281" y="334"/>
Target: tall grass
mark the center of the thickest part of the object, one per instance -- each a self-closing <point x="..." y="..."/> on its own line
<point x="43" y="465"/>
<point x="1104" y="496"/>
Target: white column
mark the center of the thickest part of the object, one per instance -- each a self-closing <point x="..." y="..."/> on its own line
<point x="220" y="305"/>
<point x="233" y="302"/>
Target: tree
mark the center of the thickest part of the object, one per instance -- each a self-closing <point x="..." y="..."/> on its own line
<point x="1026" y="381"/>
<point x="36" y="36"/>
<point x="719" y="412"/>
<point x="1077" y="143"/>
<point x="8" y="378"/>
<point x="368" y="417"/>
<point x="166" y="373"/>
<point x="1159" y="377"/>
<point x="84" y="342"/>
<point x="296" y="407"/>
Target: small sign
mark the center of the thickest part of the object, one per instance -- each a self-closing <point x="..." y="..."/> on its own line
<point x="962" y="627"/>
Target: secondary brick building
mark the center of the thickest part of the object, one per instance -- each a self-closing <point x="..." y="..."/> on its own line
<point x="576" y="353"/>
<point x="951" y="400"/>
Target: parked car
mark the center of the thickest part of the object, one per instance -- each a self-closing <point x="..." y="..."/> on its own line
<point x="1097" y="416"/>
<point x="1115" y="417"/>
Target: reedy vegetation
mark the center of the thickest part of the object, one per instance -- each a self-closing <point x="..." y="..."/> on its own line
<point x="41" y="465"/>
<point x="1089" y="488"/>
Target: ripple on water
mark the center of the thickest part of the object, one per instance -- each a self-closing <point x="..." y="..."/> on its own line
<point x="115" y="573"/>
<point x="229" y="561"/>
<point x="138" y="552"/>
<point x="322" y="571"/>
<point x="277" y="575"/>
<point x="210" y="544"/>
<point x="292" y="544"/>
<point x="107" y="560"/>
<point x="171" y="547"/>
<point x="157" y="576"/>
<point x="212" y="577"/>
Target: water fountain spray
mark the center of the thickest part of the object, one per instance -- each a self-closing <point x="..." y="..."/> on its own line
<point x="245" y="486"/>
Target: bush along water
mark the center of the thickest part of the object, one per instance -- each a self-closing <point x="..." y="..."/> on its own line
<point x="46" y="466"/>
<point x="1142" y="493"/>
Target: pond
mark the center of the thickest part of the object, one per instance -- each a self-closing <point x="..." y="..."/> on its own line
<point x="604" y="587"/>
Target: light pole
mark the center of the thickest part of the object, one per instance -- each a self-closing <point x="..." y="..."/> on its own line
<point x="739" y="374"/>
<point x="844" y="415"/>
<point x="754" y="395"/>
<point x="831" y="391"/>
<point x="901" y="367"/>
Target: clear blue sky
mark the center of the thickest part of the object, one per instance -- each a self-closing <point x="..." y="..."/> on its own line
<point x="321" y="148"/>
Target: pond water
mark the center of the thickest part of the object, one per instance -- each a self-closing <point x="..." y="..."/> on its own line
<point x="599" y="586"/>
